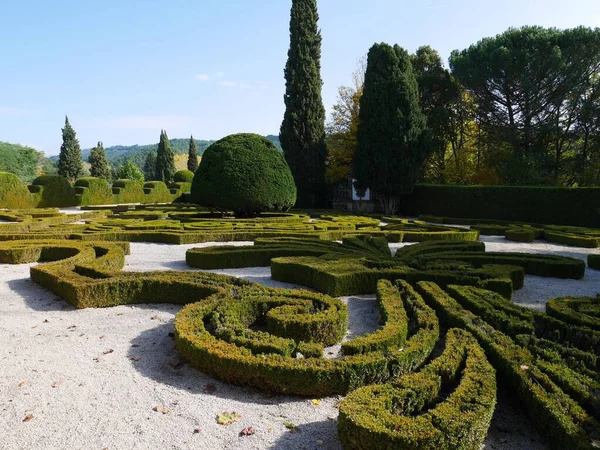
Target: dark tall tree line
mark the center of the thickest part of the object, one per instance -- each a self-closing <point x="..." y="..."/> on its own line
<point x="100" y="166"/>
<point x="302" y="132"/>
<point x="165" y="160"/>
<point x="70" y="163"/>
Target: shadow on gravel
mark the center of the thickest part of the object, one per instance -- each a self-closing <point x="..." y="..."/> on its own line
<point x="36" y="297"/>
<point x="316" y="435"/>
<point x="159" y="361"/>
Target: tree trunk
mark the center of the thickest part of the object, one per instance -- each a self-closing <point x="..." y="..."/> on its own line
<point x="389" y="203"/>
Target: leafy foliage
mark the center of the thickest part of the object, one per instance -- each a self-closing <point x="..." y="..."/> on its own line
<point x="244" y="173"/>
<point x="165" y="162"/>
<point x="129" y="171"/>
<point x="25" y="162"/>
<point x="302" y="132"/>
<point x="70" y="164"/>
<point x="192" y="164"/>
<point x="100" y="168"/>
<point x="391" y="132"/>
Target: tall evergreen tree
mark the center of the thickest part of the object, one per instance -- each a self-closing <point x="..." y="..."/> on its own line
<point x="70" y="164"/>
<point x="192" y="156"/>
<point x="302" y="132"/>
<point x="150" y="166"/>
<point x="392" y="132"/>
<point x="165" y="160"/>
<point x="100" y="166"/>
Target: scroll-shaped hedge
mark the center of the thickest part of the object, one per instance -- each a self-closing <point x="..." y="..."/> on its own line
<point x="447" y="405"/>
<point x="582" y="311"/>
<point x="214" y="336"/>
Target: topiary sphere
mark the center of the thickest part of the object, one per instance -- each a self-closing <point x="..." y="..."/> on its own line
<point x="184" y="176"/>
<point x="246" y="174"/>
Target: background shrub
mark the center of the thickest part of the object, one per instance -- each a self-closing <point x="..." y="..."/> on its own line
<point x="52" y="190"/>
<point x="184" y="176"/>
<point x="244" y="173"/>
<point x="13" y="193"/>
<point x="128" y="191"/>
<point x="93" y="191"/>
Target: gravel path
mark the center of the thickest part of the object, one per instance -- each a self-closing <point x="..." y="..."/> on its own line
<point x="90" y="378"/>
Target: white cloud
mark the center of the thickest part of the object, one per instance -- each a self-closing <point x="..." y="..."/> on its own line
<point x="228" y="83"/>
<point x="144" y="122"/>
<point x="203" y="77"/>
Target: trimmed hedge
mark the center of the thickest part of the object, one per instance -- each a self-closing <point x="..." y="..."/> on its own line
<point x="184" y="176"/>
<point x="594" y="262"/>
<point x="549" y="205"/>
<point x="93" y="191"/>
<point x="558" y="416"/>
<point x="13" y="193"/>
<point x="157" y="192"/>
<point x="412" y="413"/>
<point x="52" y="190"/>
<point x="244" y="173"/>
<point x="128" y="191"/>
<point x="582" y="311"/>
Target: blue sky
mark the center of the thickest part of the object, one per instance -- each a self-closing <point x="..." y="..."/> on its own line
<point x="124" y="69"/>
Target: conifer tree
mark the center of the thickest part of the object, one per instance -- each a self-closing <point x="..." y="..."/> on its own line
<point x="392" y="135"/>
<point x="165" y="160"/>
<point x="302" y="132"/>
<point x="150" y="166"/>
<point x="192" y="163"/>
<point x="100" y="166"/>
<point x="70" y="164"/>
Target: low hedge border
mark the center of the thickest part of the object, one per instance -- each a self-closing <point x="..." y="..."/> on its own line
<point x="594" y="262"/>
<point x="410" y="413"/>
<point x="555" y="413"/>
<point x="582" y="311"/>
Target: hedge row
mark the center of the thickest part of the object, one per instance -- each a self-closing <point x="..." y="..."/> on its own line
<point x="549" y="205"/>
<point x="267" y="367"/>
<point x="447" y="405"/>
<point x="594" y="262"/>
<point x="580" y="311"/>
<point x="549" y="392"/>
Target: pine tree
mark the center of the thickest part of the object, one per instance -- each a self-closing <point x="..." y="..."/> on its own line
<point x="100" y="166"/>
<point x="192" y="156"/>
<point x="70" y="164"/>
<point x="150" y="166"/>
<point x="392" y="135"/>
<point x="302" y="132"/>
<point x="165" y="160"/>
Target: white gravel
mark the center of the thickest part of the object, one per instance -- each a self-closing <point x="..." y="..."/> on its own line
<point x="57" y="367"/>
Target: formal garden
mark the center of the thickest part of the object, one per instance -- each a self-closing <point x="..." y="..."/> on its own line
<point x="421" y="272"/>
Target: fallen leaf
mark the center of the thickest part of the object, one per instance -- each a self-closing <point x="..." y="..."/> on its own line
<point x="106" y="352"/>
<point x="316" y="402"/>
<point x="57" y="383"/>
<point x="197" y="430"/>
<point x="135" y="358"/>
<point x="22" y="383"/>
<point x="135" y="345"/>
<point x="177" y="365"/>
<point x="291" y="426"/>
<point x="209" y="388"/>
<point x="248" y="431"/>
<point x="160" y="409"/>
<point x="82" y="334"/>
<point x="102" y="337"/>
<point x="227" y="418"/>
<point x="154" y="318"/>
<point x="72" y="327"/>
<point x="46" y="321"/>
<point x="28" y="417"/>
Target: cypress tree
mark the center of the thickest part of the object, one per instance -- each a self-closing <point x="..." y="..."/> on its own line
<point x="302" y="132"/>
<point x="150" y="166"/>
<point x="392" y="136"/>
<point x="192" y="156"/>
<point x="165" y="160"/>
<point x="70" y="164"/>
<point x="100" y="166"/>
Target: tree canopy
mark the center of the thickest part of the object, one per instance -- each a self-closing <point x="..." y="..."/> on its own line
<point x="165" y="160"/>
<point x="70" y="164"/>
<point x="100" y="168"/>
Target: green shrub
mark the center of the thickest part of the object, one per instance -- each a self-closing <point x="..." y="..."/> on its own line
<point x="184" y="176"/>
<point x="520" y="234"/>
<point x="244" y="173"/>
<point x="128" y="191"/>
<point x="13" y="193"/>
<point x="412" y="412"/>
<point x="52" y="190"/>
<point x="594" y="262"/>
<point x="582" y="311"/>
<point x="93" y="191"/>
<point x="157" y="192"/>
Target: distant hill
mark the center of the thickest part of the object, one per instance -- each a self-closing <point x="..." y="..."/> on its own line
<point x="117" y="154"/>
<point x="25" y="162"/>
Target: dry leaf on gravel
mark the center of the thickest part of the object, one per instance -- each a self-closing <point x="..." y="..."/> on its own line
<point x="57" y="383"/>
<point x="316" y="402"/>
<point x="248" y="431"/>
<point x="197" y="430"/>
<point x="28" y="417"/>
<point x="227" y="418"/>
<point x="160" y="409"/>
<point x="106" y="352"/>
<point x="135" y="358"/>
<point x="22" y="383"/>
<point x="291" y="426"/>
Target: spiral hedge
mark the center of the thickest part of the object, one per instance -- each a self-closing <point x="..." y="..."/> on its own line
<point x="425" y="379"/>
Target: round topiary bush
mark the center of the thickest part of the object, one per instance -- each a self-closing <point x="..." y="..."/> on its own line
<point x="246" y="174"/>
<point x="13" y="193"/>
<point x="52" y="190"/>
<point x="184" y="176"/>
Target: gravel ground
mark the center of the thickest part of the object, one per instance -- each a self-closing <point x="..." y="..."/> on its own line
<point x="91" y="379"/>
